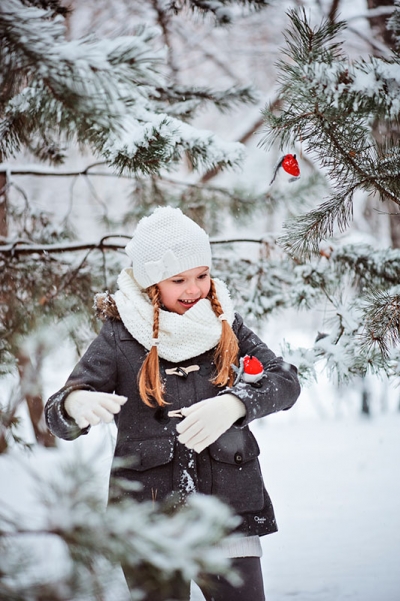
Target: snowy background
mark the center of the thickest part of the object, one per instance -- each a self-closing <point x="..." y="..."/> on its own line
<point x="333" y="475"/>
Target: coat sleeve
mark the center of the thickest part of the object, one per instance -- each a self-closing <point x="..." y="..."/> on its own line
<point x="97" y="371"/>
<point x="278" y="389"/>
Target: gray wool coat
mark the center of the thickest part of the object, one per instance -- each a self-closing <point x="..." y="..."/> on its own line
<point x="147" y="438"/>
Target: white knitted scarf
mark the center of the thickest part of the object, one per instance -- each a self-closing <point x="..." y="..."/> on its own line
<point x="181" y="337"/>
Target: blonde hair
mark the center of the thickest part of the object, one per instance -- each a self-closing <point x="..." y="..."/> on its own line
<point x="226" y="353"/>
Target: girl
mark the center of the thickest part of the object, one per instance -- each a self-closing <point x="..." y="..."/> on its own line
<point x="170" y="366"/>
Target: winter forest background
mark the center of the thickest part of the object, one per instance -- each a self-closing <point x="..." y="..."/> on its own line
<point x="109" y="109"/>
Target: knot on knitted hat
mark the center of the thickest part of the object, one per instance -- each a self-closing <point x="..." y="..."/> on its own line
<point x="166" y="243"/>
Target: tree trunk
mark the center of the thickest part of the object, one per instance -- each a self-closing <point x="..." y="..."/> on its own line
<point x="365" y="401"/>
<point x="380" y="31"/>
<point x="3" y="234"/>
<point x="29" y="374"/>
<point x="3" y="205"/>
<point x="395" y="229"/>
<point x="31" y="391"/>
<point x="378" y="22"/>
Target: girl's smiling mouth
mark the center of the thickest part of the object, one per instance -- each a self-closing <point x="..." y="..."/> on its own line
<point x="188" y="302"/>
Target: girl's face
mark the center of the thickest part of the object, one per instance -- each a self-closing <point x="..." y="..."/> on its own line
<point x="183" y="291"/>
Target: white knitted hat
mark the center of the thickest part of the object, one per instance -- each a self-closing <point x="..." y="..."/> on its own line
<point x="165" y="244"/>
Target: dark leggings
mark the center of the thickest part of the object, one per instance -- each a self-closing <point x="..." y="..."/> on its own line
<point x="252" y="588"/>
<point x="218" y="588"/>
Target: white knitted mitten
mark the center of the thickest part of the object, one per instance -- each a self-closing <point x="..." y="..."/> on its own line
<point x="89" y="408"/>
<point x="207" y="420"/>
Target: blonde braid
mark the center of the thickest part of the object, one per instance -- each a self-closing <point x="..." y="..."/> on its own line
<point x="227" y="350"/>
<point x="150" y="385"/>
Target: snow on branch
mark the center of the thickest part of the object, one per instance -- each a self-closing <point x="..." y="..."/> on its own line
<point x="382" y="320"/>
<point x="24" y="247"/>
<point x="223" y="13"/>
<point x="159" y="543"/>
<point x="108" y="93"/>
<point x="44" y="171"/>
<point x="330" y="105"/>
<point x="393" y="23"/>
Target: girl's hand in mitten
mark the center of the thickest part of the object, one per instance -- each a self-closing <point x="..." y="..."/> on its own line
<point x="207" y="420"/>
<point x="89" y="408"/>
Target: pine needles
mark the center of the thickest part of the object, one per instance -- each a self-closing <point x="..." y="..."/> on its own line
<point x="329" y="106"/>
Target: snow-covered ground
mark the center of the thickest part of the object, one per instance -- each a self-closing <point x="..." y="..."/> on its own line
<point x="336" y="490"/>
<point x="335" y="486"/>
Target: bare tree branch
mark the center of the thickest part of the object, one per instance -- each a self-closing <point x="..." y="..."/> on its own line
<point x="275" y="105"/>
<point x="333" y="11"/>
<point x="3" y="204"/>
<point x="43" y="172"/>
<point x="24" y="247"/>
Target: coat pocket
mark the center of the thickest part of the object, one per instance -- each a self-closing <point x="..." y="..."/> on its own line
<point x="236" y="472"/>
<point x="147" y="462"/>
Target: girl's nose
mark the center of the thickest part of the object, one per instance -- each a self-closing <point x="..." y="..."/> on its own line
<point x="192" y="288"/>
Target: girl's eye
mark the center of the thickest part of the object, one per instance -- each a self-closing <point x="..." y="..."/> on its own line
<point x="203" y="276"/>
<point x="177" y="281"/>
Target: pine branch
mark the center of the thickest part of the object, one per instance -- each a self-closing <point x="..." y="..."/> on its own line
<point x="218" y="8"/>
<point x="393" y="23"/>
<point x="370" y="268"/>
<point x="304" y="234"/>
<point x="161" y="545"/>
<point x="329" y="107"/>
<point x="55" y="6"/>
<point x="382" y="321"/>
<point x="184" y="101"/>
<point x="105" y="93"/>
